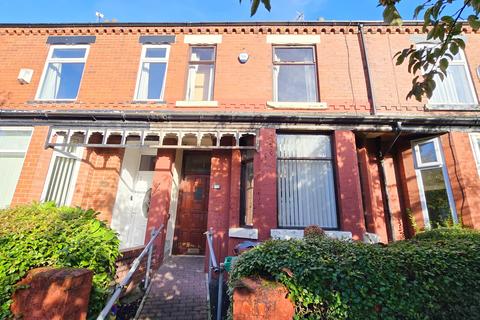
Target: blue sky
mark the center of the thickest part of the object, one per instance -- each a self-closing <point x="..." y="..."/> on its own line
<point x="34" y="11"/>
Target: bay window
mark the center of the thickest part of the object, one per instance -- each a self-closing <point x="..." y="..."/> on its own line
<point x="305" y="178"/>
<point x="14" y="143"/>
<point x="435" y="192"/>
<point x="63" y="72"/>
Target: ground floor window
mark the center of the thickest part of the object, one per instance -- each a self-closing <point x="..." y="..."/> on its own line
<point x="435" y="192"/>
<point x="62" y="174"/>
<point x="13" y="147"/>
<point x="246" y="189"/>
<point x="475" y="139"/>
<point x="306" y="188"/>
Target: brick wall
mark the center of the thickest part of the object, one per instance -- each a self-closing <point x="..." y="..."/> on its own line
<point x="238" y="87"/>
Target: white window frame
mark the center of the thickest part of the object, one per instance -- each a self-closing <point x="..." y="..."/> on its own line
<point x="62" y="60"/>
<point x="144" y="59"/>
<point x="440" y="163"/>
<point x="462" y="62"/>
<point x="60" y="152"/>
<point x="276" y="68"/>
<point x="194" y="65"/>
<point x="474" y="141"/>
<point x="17" y="152"/>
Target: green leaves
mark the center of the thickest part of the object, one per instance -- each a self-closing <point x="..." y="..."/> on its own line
<point x="256" y="3"/>
<point x="43" y="235"/>
<point x="433" y="276"/>
<point x="442" y="28"/>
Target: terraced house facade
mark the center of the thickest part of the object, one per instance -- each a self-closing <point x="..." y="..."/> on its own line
<point x="256" y="130"/>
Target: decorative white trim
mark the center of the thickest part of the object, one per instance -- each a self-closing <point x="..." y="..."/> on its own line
<point x="292" y="39"/>
<point x="244" y="233"/>
<point x="193" y="103"/>
<point x="202" y="39"/>
<point x="474" y="137"/>
<point x="287" y="234"/>
<point x="297" y="105"/>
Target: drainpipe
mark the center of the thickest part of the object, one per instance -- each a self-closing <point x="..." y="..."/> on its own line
<point x="367" y="68"/>
<point x="383" y="181"/>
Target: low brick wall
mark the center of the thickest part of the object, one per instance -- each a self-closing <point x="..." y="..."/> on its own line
<point x="49" y="293"/>
<point x="124" y="263"/>
<point x="261" y="300"/>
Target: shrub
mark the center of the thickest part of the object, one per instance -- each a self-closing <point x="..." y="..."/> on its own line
<point x="41" y="235"/>
<point x="313" y="231"/>
<point x="436" y="275"/>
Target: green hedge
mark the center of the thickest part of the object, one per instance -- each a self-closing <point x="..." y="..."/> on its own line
<point x="435" y="275"/>
<point x="40" y="235"/>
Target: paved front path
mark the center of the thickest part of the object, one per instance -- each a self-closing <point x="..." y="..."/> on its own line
<point x="178" y="291"/>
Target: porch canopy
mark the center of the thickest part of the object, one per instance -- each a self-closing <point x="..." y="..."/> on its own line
<point x="152" y="137"/>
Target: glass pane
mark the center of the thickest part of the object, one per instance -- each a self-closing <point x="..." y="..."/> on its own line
<point x="436" y="196"/>
<point x="10" y="169"/>
<point x="69" y="53"/>
<point x="62" y="81"/>
<point x="303" y="146"/>
<point x="294" y="54"/>
<point x="202" y="54"/>
<point x="156" y="52"/>
<point x="246" y="196"/>
<point x="197" y="163"/>
<point x="455" y="88"/>
<point x="200" y="82"/>
<point x="427" y="152"/>
<point x="152" y="77"/>
<point x="147" y="163"/>
<point x="297" y="83"/>
<point x="306" y="193"/>
<point x="14" y="140"/>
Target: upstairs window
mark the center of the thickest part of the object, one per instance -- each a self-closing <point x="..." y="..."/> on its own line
<point x="294" y="74"/>
<point x="151" y="76"/>
<point x="63" y="73"/>
<point x="456" y="90"/>
<point x="201" y="74"/>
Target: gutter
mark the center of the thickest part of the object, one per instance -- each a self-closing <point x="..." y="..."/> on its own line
<point x="370" y="90"/>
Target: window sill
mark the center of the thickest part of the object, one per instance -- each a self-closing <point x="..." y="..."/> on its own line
<point x="244" y="233"/>
<point x="146" y="101"/>
<point x="452" y="107"/>
<point x="187" y="103"/>
<point x="46" y="101"/>
<point x="296" y="105"/>
<point x="286" y="234"/>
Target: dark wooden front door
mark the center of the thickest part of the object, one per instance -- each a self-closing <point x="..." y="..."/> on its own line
<point x="192" y="213"/>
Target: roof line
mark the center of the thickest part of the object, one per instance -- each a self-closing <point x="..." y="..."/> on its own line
<point x="202" y="24"/>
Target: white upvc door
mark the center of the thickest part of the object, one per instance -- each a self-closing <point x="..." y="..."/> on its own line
<point x="130" y="213"/>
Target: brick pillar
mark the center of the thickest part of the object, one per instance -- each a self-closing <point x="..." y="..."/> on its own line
<point x="35" y="169"/>
<point x="464" y="176"/>
<point x="160" y="199"/>
<point x="234" y="214"/>
<point x="265" y="183"/>
<point x="372" y="190"/>
<point x="219" y="201"/>
<point x="348" y="185"/>
<point x="393" y="186"/>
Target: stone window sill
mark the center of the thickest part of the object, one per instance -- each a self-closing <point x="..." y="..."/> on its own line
<point x="243" y="233"/>
<point x="296" y="105"/>
<point x="452" y="107"/>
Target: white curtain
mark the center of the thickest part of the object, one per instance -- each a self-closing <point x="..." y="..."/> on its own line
<point x="454" y="89"/>
<point x="310" y="84"/>
<point x="10" y="169"/>
<point x="51" y="82"/>
<point x="142" y="92"/>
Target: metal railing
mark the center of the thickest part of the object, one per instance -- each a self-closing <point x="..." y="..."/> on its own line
<point x="126" y="281"/>
<point x="215" y="267"/>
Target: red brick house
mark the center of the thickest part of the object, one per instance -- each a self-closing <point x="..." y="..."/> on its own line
<point x="253" y="129"/>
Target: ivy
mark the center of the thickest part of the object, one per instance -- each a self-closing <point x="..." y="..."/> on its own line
<point x="40" y="235"/>
<point x="435" y="275"/>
